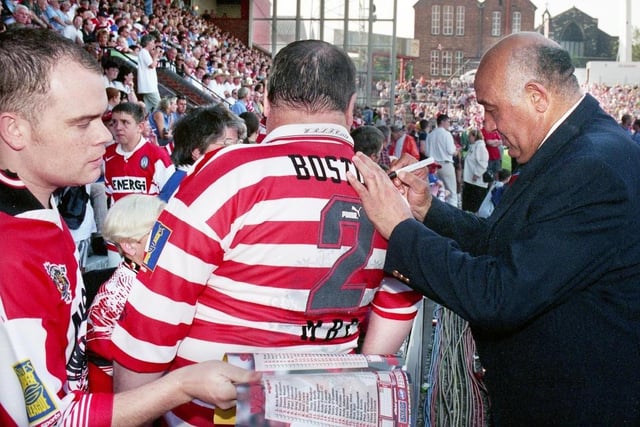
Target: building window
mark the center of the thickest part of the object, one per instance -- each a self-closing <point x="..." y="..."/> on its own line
<point x="435" y="61"/>
<point x="435" y="19"/>
<point x="459" y="61"/>
<point x="447" y="63"/>
<point x="460" y="21"/>
<point x="496" y="18"/>
<point x="516" y="25"/>
<point x="447" y="20"/>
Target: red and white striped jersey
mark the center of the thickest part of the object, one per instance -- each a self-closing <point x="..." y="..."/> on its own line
<point x="264" y="247"/>
<point x="104" y="312"/>
<point x="42" y="319"/>
<point x="143" y="170"/>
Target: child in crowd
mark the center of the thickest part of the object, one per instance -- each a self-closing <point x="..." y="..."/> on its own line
<point x="494" y="194"/>
<point x="435" y="184"/>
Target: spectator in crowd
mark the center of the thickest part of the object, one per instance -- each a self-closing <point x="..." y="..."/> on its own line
<point x="636" y="131"/>
<point x="125" y="82"/>
<point x="127" y="225"/>
<point x="161" y="120"/>
<point x="217" y="84"/>
<point x="252" y="274"/>
<point x="626" y="122"/>
<point x="111" y="70"/>
<point x="494" y="195"/>
<point x="114" y="97"/>
<point x="240" y="106"/>
<point x="181" y="108"/>
<point x="147" y="75"/>
<point x="133" y="164"/>
<point x="475" y="165"/>
<point x="22" y="18"/>
<point x="441" y="147"/>
<point x="39" y="13"/>
<point x="88" y="31"/>
<point x="168" y="61"/>
<point x="493" y="142"/>
<point x="50" y="86"/>
<point x="252" y="123"/>
<point x="423" y="132"/>
<point x="202" y="131"/>
<point x="368" y="140"/>
<point x="548" y="283"/>
<point x="57" y="18"/>
<point x="103" y="40"/>
<point x="384" y="161"/>
<point x="402" y="142"/>
<point x="73" y="31"/>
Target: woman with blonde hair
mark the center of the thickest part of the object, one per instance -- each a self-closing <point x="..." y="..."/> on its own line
<point x="127" y="225"/>
<point x="161" y="119"/>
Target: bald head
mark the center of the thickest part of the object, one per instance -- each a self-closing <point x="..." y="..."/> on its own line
<point x="526" y="84"/>
<point x="526" y="56"/>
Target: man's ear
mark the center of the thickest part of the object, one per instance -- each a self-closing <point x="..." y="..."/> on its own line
<point x="266" y="107"/>
<point x="350" y="109"/>
<point x="14" y="130"/>
<point x="538" y="96"/>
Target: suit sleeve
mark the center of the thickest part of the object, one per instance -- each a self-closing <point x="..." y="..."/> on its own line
<point x="569" y="237"/>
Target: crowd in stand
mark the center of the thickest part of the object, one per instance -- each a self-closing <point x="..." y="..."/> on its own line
<point x="190" y="45"/>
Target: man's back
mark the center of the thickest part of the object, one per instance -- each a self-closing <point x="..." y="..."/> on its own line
<point x="284" y="261"/>
<point x="440" y="145"/>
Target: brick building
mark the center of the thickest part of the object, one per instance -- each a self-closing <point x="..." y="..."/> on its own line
<point x="454" y="34"/>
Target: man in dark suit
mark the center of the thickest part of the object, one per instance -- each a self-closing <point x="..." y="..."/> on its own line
<point x="550" y="282"/>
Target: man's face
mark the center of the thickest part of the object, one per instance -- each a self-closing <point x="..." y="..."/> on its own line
<point x="74" y="155"/>
<point x="111" y="73"/>
<point x="182" y="106"/>
<point x="126" y="131"/>
<point x="21" y="16"/>
<point x="508" y="111"/>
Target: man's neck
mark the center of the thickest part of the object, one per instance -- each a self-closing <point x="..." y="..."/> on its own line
<point x="128" y="147"/>
<point x="287" y="117"/>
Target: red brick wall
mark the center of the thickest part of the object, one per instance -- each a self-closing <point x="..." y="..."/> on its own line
<point x="474" y="42"/>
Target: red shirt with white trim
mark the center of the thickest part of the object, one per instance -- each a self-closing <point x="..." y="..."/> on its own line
<point x="144" y="170"/>
<point x="43" y="318"/>
<point x="264" y="247"/>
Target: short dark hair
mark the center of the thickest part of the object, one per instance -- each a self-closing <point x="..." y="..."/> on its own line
<point x="199" y="129"/>
<point x="106" y="64"/>
<point x="133" y="109"/>
<point x="367" y="139"/>
<point x="123" y="71"/>
<point x="503" y="174"/>
<point x="441" y="118"/>
<point x="27" y="59"/>
<point x="251" y="121"/>
<point x="386" y="132"/>
<point x="144" y="40"/>
<point x="312" y="76"/>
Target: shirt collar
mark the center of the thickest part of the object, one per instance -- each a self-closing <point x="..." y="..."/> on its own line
<point x="561" y="120"/>
<point x="314" y="130"/>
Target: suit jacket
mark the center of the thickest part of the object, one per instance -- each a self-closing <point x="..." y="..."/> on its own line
<point x="550" y="282"/>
